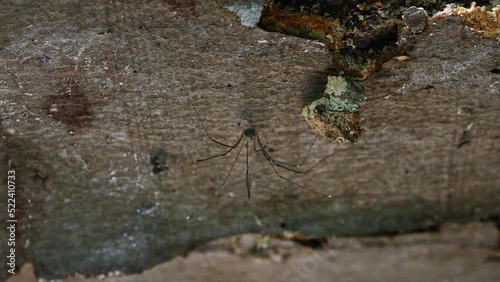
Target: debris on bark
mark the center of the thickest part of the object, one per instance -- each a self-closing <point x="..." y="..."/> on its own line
<point x="483" y="22"/>
<point x="361" y="35"/>
<point x="416" y="19"/>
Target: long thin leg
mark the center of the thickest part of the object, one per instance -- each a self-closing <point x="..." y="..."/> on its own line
<point x="283" y="165"/>
<point x="248" y="171"/>
<point x="232" y="166"/>
<point x="303" y="160"/>
<point x="204" y="159"/>
<point x="231" y="147"/>
<point x="295" y="183"/>
<point x="258" y="150"/>
<point x="205" y="129"/>
<point x="309" y="150"/>
<point x="178" y="149"/>
<point x="196" y="112"/>
<point x="268" y="139"/>
<point x="222" y="154"/>
<point x="272" y="163"/>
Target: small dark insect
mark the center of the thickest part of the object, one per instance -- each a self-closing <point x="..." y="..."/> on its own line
<point x="250" y="134"/>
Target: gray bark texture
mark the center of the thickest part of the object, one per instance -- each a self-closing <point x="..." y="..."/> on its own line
<point x="90" y="93"/>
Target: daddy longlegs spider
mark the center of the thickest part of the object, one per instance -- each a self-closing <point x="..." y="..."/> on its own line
<point x="248" y="135"/>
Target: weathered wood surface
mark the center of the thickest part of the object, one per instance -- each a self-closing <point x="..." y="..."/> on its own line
<point x="454" y="253"/>
<point x="116" y="77"/>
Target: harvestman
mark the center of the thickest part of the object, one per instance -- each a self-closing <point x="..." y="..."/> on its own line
<point x="249" y="134"/>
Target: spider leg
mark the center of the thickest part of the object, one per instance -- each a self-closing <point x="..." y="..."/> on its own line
<point x="248" y="171"/>
<point x="232" y="166"/>
<point x="222" y="154"/>
<point x="268" y="139"/>
<point x="258" y="150"/>
<point x="273" y="164"/>
<point x="282" y="163"/>
<point x="178" y="149"/>
<point x="205" y="129"/>
<point x="288" y="166"/>
<point x="189" y="96"/>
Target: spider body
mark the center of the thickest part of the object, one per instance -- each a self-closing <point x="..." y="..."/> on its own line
<point x="249" y="132"/>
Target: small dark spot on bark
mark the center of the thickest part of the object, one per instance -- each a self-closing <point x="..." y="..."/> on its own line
<point x="44" y="59"/>
<point x="158" y="159"/>
<point x="70" y="105"/>
<point x="495" y="70"/>
<point x="40" y="175"/>
<point x="105" y="31"/>
<point x="467" y="110"/>
<point x="183" y="7"/>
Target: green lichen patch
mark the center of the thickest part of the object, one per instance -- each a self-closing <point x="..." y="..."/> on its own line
<point x="333" y="104"/>
<point x="335" y="115"/>
<point x="342" y="87"/>
<point x="334" y="118"/>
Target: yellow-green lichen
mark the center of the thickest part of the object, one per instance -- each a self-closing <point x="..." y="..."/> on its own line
<point x="342" y="87"/>
<point x="334" y="118"/>
<point x="336" y="115"/>
<point x="333" y="104"/>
